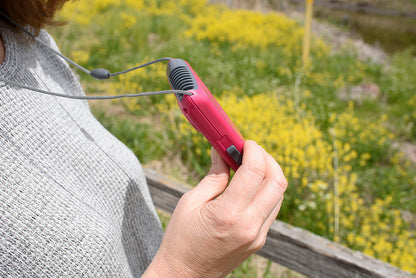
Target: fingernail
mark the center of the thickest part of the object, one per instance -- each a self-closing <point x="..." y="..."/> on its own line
<point x="214" y="156"/>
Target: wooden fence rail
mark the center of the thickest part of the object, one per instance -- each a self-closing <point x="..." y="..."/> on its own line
<point x="290" y="246"/>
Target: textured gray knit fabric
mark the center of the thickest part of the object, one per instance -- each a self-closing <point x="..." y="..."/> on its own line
<point x="73" y="199"/>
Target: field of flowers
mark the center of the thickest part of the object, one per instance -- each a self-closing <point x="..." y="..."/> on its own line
<point x="348" y="180"/>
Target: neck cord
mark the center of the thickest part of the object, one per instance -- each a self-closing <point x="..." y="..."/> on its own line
<point x="95" y="73"/>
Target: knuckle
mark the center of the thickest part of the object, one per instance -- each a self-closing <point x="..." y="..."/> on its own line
<point x="214" y="177"/>
<point x="221" y="221"/>
<point x="227" y="221"/>
<point x="259" y="243"/>
<point x="256" y="169"/>
<point x="283" y="183"/>
<point x="249" y="236"/>
<point x="279" y="182"/>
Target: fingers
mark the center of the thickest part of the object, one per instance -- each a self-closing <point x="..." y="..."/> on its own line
<point x="248" y="178"/>
<point x="262" y="235"/>
<point x="268" y="201"/>
<point x="272" y="190"/>
<point x="257" y="186"/>
<point x="215" y="182"/>
<point x="272" y="217"/>
<point x="218" y="166"/>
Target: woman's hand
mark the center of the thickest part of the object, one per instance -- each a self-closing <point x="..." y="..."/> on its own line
<point x="215" y="227"/>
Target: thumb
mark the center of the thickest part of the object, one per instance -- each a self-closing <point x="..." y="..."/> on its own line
<point x="218" y="165"/>
<point x="215" y="182"/>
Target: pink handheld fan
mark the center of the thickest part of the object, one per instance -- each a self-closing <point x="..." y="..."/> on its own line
<point x="204" y="112"/>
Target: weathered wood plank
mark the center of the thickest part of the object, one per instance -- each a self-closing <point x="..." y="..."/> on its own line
<point x="290" y="246"/>
<point x="316" y="256"/>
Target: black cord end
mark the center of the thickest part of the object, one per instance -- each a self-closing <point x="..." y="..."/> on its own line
<point x="100" y="74"/>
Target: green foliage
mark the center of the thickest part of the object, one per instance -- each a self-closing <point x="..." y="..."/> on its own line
<point x="399" y="85"/>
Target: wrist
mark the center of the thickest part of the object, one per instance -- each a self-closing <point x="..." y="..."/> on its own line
<point x="167" y="265"/>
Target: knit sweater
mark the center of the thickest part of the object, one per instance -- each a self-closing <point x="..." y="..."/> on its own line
<point x="73" y="199"/>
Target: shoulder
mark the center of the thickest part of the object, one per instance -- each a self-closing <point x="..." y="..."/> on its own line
<point x="48" y="39"/>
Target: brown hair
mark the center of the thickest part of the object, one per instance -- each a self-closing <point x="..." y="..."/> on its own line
<point x="36" y="13"/>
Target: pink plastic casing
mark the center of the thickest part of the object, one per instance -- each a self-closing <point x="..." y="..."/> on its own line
<point x="206" y="115"/>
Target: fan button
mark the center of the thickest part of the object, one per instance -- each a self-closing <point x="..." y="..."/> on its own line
<point x="235" y="154"/>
